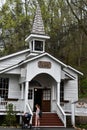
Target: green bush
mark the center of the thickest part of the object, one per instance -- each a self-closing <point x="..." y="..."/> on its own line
<point x="10" y="118"/>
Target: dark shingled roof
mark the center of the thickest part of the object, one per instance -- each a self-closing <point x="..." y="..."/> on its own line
<point x="38" y="27"/>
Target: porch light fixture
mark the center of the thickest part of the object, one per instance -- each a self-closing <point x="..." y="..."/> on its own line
<point x="35" y="89"/>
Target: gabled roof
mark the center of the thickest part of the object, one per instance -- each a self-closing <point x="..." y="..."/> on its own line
<point x="44" y="54"/>
<point x="37" y="57"/>
<point x="29" y="60"/>
<point x="14" y="54"/>
<point x="9" y="68"/>
<point x="74" y="70"/>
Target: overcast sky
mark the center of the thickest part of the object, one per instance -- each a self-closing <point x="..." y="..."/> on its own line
<point x="1" y="2"/>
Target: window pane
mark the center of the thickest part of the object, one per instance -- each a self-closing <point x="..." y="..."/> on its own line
<point x="62" y="91"/>
<point x="4" y="87"/>
<point x="38" y="45"/>
<point x="30" y="93"/>
<point x="46" y="95"/>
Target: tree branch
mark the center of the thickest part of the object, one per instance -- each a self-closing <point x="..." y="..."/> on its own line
<point x="79" y="21"/>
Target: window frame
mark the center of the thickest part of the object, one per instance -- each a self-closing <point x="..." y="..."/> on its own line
<point x="30" y="94"/>
<point x="62" y="91"/>
<point x="39" y="44"/>
<point x="4" y="86"/>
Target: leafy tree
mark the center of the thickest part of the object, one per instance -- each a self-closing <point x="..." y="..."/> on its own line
<point x="15" y="25"/>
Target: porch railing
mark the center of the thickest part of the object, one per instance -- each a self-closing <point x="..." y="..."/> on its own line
<point x="3" y="105"/>
<point x="66" y="107"/>
<point x="61" y="113"/>
<point x="29" y="108"/>
<point x="17" y="105"/>
<point x="30" y="111"/>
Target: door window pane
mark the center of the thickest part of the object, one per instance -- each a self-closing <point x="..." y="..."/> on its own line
<point x="46" y="95"/>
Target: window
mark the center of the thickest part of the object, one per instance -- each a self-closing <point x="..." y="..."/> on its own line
<point x="38" y="45"/>
<point x="32" y="45"/>
<point x="46" y="94"/>
<point x="4" y="82"/>
<point x="62" y="91"/>
<point x="30" y="94"/>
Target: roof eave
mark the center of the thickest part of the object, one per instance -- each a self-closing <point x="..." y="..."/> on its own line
<point x="14" y="54"/>
<point x="75" y="70"/>
<point x="43" y="54"/>
<point x="36" y="36"/>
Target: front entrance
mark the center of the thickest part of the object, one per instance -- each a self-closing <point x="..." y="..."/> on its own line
<point x="42" y="97"/>
<point x="37" y="97"/>
<point x="46" y="102"/>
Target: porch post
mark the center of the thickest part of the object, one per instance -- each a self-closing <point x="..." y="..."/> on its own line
<point x="73" y="114"/>
<point x="26" y="95"/>
<point x="58" y="92"/>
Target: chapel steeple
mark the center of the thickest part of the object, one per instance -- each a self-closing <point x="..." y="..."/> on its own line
<point x="37" y="37"/>
<point x="38" y="26"/>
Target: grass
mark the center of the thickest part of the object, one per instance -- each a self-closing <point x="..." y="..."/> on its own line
<point x="82" y="126"/>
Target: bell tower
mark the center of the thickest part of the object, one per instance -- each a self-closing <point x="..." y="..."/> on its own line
<point x="37" y="37"/>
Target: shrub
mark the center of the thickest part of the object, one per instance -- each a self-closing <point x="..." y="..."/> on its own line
<point x="10" y="118"/>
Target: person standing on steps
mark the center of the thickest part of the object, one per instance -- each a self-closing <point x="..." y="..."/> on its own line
<point x="37" y="117"/>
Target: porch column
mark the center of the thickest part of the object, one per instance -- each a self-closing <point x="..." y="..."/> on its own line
<point x="26" y="95"/>
<point x="58" y="92"/>
<point x="73" y="113"/>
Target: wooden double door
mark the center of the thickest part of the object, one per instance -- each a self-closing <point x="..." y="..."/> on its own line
<point x="43" y="98"/>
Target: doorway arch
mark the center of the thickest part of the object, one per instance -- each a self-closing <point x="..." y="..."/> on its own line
<point x="42" y="86"/>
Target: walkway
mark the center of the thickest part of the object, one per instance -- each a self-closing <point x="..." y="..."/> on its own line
<point x="37" y="129"/>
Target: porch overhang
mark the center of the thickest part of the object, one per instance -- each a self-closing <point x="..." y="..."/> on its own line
<point x="67" y="76"/>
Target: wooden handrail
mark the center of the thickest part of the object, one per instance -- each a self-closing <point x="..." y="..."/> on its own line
<point x="61" y="114"/>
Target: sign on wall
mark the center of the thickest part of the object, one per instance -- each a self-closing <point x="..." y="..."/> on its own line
<point x="44" y="64"/>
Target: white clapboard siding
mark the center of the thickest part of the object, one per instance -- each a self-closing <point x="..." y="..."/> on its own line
<point x="12" y="60"/>
<point x="14" y="87"/>
<point x="71" y="90"/>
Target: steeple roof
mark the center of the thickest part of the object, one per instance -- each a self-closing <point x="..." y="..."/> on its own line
<point x="38" y="26"/>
